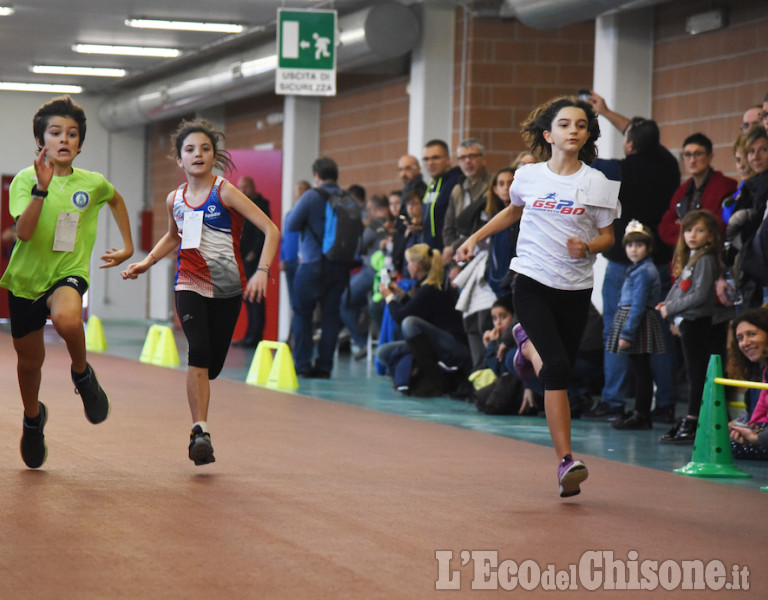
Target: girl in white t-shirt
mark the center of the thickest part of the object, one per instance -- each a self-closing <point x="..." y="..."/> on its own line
<point x="568" y="219"/>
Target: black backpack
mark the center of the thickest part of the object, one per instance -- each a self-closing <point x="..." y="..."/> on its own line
<point x="343" y="226"/>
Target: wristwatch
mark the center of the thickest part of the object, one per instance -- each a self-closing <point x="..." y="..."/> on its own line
<point x="38" y="193"/>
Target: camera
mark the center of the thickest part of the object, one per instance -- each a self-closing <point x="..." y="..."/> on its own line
<point x="584" y="95"/>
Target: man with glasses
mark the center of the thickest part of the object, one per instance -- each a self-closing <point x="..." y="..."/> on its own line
<point x="437" y="163"/>
<point x="472" y="187"/>
<point x="705" y="189"/>
<point x="751" y="117"/>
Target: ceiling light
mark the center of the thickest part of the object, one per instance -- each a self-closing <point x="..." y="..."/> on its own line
<point x="184" y="25"/>
<point x="14" y="86"/>
<point x="127" y="50"/>
<point x="90" y="71"/>
<point x="6" y="11"/>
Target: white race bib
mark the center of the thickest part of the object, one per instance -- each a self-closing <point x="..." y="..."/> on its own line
<point x="192" y="230"/>
<point x="66" y="232"/>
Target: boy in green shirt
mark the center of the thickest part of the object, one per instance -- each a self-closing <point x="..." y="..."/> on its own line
<point x="56" y="211"/>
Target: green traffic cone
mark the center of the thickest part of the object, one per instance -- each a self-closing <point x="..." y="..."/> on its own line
<point x="712" y="456"/>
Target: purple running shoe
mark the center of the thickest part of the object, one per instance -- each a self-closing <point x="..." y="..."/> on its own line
<point x="570" y="474"/>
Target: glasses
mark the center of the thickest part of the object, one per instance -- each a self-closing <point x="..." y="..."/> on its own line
<point x="697" y="154"/>
<point x="473" y="156"/>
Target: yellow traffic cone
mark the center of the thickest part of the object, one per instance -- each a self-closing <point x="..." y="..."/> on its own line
<point x="165" y="354"/>
<point x="712" y="456"/>
<point x="150" y="344"/>
<point x="278" y="373"/>
<point x="95" y="340"/>
<point x="261" y="365"/>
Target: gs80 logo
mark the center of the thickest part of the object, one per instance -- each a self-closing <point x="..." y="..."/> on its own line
<point x="564" y="207"/>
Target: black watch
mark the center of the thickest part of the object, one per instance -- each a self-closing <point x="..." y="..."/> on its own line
<point x="38" y="193"/>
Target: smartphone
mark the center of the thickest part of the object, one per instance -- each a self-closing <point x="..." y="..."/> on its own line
<point x="584" y="95"/>
<point x="385" y="278"/>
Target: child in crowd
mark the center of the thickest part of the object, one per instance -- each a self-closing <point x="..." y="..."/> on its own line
<point x="496" y="347"/>
<point x="56" y="209"/>
<point x="413" y="228"/>
<point x="636" y="329"/>
<point x="568" y="219"/>
<point x="691" y="304"/>
<point x="205" y="216"/>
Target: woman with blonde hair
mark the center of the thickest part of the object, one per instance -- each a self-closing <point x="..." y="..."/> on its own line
<point x="426" y="310"/>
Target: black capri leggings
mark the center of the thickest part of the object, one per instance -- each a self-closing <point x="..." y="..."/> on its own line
<point x="208" y="324"/>
<point x="554" y="321"/>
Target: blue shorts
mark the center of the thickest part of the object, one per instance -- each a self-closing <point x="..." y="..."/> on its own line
<point x="30" y="315"/>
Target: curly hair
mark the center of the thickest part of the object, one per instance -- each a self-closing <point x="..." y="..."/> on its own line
<point x="738" y="365"/>
<point x="187" y="127"/>
<point x="541" y="119"/>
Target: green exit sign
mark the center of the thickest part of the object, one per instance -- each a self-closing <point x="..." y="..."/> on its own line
<point x="306" y="52"/>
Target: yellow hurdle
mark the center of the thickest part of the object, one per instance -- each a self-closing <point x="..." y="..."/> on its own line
<point x="755" y="385"/>
<point x="278" y="373"/>
<point x="160" y="347"/>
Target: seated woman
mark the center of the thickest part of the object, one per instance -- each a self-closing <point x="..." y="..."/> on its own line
<point x="426" y="312"/>
<point x="748" y="360"/>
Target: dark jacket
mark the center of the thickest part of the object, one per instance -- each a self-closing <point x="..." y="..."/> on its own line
<point x="648" y="181"/>
<point x="434" y="305"/>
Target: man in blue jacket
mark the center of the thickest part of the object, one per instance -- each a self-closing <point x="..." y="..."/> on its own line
<point x="317" y="280"/>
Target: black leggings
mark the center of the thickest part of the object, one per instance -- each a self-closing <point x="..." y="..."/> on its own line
<point x="554" y="321"/>
<point x="208" y="324"/>
<point x="695" y="339"/>
<point x="643" y="376"/>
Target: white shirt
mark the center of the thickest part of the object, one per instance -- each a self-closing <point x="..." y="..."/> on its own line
<point x="551" y="216"/>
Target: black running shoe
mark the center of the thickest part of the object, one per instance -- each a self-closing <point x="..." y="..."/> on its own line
<point x="200" y="448"/>
<point x="33" y="449"/>
<point x="95" y="401"/>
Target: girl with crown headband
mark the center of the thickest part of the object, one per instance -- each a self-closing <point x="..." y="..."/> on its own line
<point x="636" y="328"/>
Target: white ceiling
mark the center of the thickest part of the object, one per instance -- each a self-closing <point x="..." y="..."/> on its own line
<point x="43" y="31"/>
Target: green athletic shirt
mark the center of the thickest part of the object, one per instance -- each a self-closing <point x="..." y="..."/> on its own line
<point x="34" y="266"/>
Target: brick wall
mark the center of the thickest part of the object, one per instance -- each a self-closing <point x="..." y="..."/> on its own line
<point x="510" y="70"/>
<point x="704" y="83"/>
<point x="163" y="173"/>
<point x="251" y="122"/>
<point x="365" y="130"/>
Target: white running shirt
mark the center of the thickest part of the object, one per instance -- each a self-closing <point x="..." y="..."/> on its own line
<point x="551" y="216"/>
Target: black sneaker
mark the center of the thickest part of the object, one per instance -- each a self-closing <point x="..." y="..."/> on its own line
<point x="632" y="421"/>
<point x="603" y="412"/>
<point x="684" y="433"/>
<point x="95" y="401"/>
<point x="33" y="450"/>
<point x="200" y="448"/>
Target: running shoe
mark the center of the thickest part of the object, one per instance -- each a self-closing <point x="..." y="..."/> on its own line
<point x="523" y="366"/>
<point x="95" y="401"/>
<point x="200" y="448"/>
<point x="570" y="474"/>
<point x="33" y="449"/>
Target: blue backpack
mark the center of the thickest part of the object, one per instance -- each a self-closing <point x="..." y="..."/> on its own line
<point x="343" y="226"/>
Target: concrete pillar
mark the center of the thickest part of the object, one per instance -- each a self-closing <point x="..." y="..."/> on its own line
<point x="431" y="84"/>
<point x="301" y="146"/>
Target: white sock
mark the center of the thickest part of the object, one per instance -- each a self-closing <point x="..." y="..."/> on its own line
<point x="203" y="426"/>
